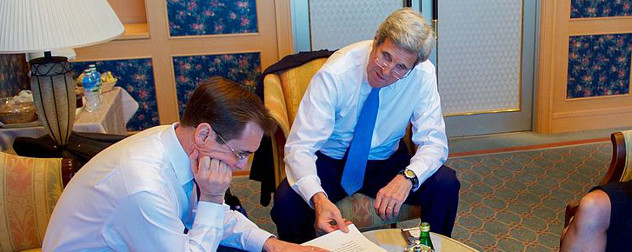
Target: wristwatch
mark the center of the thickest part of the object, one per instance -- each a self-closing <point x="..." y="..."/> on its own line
<point x="410" y="175"/>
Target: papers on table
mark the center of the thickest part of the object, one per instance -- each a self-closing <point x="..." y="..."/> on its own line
<point x="414" y="232"/>
<point x="338" y="241"/>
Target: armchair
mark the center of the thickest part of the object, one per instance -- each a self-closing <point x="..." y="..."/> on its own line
<point x="620" y="168"/>
<point x="29" y="190"/>
<point x="282" y="93"/>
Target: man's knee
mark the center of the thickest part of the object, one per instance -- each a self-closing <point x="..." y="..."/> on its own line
<point x="283" y="197"/>
<point x="447" y="180"/>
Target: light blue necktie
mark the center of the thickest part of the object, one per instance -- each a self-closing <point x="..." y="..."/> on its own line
<point x="353" y="174"/>
<point x="188" y="217"/>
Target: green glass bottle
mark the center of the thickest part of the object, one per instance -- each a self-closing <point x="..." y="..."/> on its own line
<point x="424" y="235"/>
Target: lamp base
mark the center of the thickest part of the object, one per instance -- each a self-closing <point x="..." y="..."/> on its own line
<point x="54" y="96"/>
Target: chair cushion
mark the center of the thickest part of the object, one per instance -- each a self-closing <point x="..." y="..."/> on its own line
<point x="274" y="100"/>
<point x="295" y="81"/>
<point x="358" y="208"/>
<point x="29" y="189"/>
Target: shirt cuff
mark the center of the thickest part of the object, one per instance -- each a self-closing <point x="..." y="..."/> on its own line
<point x="256" y="239"/>
<point x="420" y="179"/>
<point x="307" y="187"/>
<point x="210" y="214"/>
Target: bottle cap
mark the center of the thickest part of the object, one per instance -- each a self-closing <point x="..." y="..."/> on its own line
<point x="424" y="227"/>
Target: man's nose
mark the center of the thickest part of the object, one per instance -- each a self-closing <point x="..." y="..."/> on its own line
<point x="387" y="69"/>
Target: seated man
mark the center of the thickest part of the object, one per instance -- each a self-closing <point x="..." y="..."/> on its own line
<point x="163" y="188"/>
<point x="602" y="221"/>
<point x="347" y="131"/>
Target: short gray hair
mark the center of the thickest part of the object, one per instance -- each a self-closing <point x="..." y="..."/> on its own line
<point x="410" y="31"/>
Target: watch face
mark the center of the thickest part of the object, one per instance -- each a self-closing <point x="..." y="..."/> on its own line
<point x="409" y="173"/>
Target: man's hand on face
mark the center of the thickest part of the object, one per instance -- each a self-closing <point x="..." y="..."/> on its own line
<point x="328" y="217"/>
<point x="274" y="244"/>
<point x="390" y="198"/>
<point x="212" y="176"/>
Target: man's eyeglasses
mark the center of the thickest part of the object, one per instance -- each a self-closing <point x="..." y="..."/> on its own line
<point x="398" y="71"/>
<point x="239" y="156"/>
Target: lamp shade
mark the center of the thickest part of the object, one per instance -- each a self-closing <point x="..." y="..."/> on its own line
<point x="46" y="25"/>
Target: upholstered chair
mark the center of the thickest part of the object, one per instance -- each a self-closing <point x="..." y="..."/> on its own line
<point x="29" y="189"/>
<point x="283" y="92"/>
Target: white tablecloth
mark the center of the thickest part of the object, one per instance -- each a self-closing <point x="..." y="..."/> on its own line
<point x="116" y="108"/>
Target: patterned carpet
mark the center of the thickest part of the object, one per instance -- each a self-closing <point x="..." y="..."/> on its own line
<point x="508" y="201"/>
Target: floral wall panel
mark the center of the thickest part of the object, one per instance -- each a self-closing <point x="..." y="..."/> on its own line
<point x="207" y="17"/>
<point x="600" y="8"/>
<point x="599" y="65"/>
<point x="189" y="71"/>
<point x="137" y="77"/>
<point x="13" y="74"/>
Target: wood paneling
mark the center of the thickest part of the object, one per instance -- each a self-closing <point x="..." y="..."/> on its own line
<point x="273" y="41"/>
<point x="554" y="112"/>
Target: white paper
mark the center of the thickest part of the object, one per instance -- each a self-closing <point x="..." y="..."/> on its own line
<point x="338" y="241"/>
<point x="413" y="231"/>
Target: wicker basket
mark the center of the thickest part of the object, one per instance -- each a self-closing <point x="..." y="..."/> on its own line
<point x="23" y="114"/>
<point x="107" y="86"/>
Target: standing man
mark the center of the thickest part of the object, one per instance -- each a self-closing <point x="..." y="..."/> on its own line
<point x="346" y="135"/>
<point x="141" y="194"/>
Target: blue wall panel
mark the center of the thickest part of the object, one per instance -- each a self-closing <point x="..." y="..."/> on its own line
<point x="189" y="71"/>
<point x="13" y="74"/>
<point x="600" y="8"/>
<point x="599" y="65"/>
<point x="208" y="17"/>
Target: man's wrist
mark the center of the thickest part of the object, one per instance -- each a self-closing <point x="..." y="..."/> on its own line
<point x="269" y="244"/>
<point x="318" y="198"/>
<point x="219" y="199"/>
<point x="410" y="176"/>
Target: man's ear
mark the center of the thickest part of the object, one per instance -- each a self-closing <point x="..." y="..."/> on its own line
<point x="203" y="134"/>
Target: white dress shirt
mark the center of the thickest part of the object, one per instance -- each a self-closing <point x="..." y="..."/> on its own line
<point x="138" y="195"/>
<point x="329" y="111"/>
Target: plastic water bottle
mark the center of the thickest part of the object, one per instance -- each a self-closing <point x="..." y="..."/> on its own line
<point x="96" y="75"/>
<point x="90" y="91"/>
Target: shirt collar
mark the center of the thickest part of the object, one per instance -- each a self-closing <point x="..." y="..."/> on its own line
<point x="177" y="156"/>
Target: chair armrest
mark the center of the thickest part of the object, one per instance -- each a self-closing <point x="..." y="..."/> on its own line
<point x="67" y="170"/>
<point x="274" y="101"/>
<point x="617" y="163"/>
<point x="571" y="209"/>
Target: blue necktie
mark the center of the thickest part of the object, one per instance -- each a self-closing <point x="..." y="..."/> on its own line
<point x="353" y="174"/>
<point x="188" y="217"/>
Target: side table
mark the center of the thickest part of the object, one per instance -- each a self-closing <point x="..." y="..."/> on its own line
<point x="393" y="240"/>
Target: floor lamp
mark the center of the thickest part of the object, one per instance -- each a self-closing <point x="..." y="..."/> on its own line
<point x="28" y="26"/>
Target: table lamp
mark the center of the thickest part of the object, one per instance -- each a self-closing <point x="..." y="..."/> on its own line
<point x="29" y="26"/>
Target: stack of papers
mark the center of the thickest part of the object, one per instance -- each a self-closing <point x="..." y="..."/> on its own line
<point x="338" y="241"/>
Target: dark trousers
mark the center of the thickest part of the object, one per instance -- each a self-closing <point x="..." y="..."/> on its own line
<point x="438" y="196"/>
